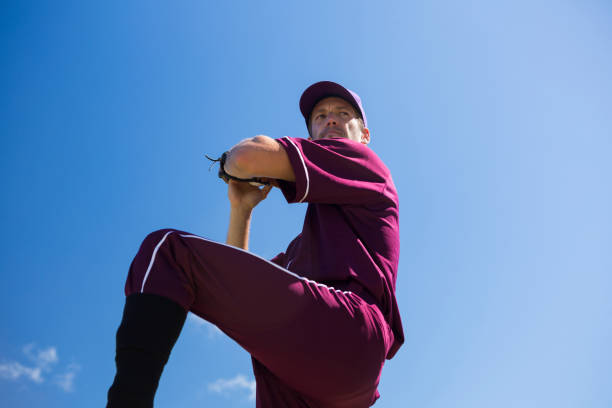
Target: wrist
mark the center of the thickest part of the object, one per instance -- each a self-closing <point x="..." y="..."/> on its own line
<point x="240" y="210"/>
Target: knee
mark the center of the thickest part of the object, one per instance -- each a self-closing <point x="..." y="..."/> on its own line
<point x="153" y="247"/>
<point x="153" y="240"/>
<point x="155" y="237"/>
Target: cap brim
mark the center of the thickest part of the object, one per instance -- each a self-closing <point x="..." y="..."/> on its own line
<point x="315" y="92"/>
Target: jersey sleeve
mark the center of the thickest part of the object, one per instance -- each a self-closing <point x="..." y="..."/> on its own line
<point x="333" y="171"/>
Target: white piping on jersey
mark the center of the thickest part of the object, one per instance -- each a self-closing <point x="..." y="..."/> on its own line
<point x="345" y="292"/>
<point x="305" y="168"/>
<point x="152" y="259"/>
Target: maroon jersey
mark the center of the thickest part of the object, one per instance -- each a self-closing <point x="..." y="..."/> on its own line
<point x="350" y="237"/>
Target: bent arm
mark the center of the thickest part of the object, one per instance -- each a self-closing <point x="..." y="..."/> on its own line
<point x="260" y="156"/>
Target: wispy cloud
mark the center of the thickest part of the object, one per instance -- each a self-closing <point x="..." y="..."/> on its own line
<point x="14" y="371"/>
<point x="43" y="359"/>
<point x="42" y="363"/>
<point x="66" y="380"/>
<point x="239" y="382"/>
<point x="201" y="324"/>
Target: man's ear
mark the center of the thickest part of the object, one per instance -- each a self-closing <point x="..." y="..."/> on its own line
<point x="365" y="136"/>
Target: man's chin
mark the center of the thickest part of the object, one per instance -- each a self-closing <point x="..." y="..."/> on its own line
<point x="331" y="136"/>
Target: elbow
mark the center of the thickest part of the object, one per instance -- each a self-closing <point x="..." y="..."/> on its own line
<point x="261" y="140"/>
<point x="244" y="154"/>
<point x="239" y="158"/>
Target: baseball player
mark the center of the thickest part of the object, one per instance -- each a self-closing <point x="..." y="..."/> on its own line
<point x="320" y="318"/>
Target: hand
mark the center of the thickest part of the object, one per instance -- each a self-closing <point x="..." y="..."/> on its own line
<point x="244" y="196"/>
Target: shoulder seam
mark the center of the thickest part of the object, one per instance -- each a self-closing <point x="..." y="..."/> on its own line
<point x="305" y="168"/>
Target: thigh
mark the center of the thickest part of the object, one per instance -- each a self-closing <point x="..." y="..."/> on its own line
<point x="323" y="342"/>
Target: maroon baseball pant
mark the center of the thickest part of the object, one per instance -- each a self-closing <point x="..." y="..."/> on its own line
<point x="312" y="345"/>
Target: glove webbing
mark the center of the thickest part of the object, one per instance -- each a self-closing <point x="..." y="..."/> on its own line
<point x="225" y="176"/>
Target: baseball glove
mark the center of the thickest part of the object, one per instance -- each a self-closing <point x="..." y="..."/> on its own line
<point x="223" y="175"/>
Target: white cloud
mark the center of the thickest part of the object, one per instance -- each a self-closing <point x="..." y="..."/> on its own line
<point x="66" y="380"/>
<point x="239" y="382"/>
<point x="14" y="371"/>
<point x="201" y="324"/>
<point x="42" y="361"/>
<point x="41" y="358"/>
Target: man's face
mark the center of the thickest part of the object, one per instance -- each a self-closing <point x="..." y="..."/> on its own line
<point x="335" y="117"/>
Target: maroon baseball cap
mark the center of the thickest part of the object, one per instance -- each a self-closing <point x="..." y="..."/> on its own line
<point x="315" y="92"/>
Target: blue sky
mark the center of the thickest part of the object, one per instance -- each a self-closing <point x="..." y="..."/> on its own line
<point x="494" y="118"/>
